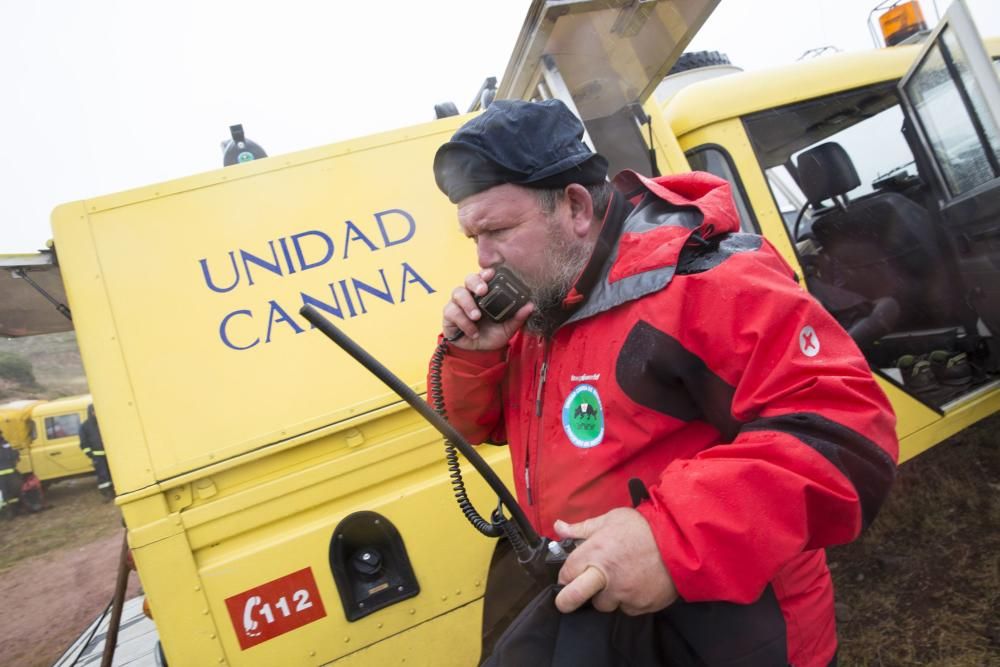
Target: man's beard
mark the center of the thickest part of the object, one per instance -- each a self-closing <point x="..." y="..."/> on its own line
<point x="565" y="259"/>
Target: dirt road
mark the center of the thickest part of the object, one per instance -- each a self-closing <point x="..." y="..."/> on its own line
<point x="49" y="598"/>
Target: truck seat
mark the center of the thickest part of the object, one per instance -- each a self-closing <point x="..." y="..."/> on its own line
<point x="882" y="244"/>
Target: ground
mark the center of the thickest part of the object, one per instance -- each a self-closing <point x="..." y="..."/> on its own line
<point x="922" y="586"/>
<point x="57" y="572"/>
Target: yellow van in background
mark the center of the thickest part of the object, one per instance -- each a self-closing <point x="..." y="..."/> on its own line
<point x="47" y="434"/>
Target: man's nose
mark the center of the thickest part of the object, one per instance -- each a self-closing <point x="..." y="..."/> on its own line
<point x="487" y="254"/>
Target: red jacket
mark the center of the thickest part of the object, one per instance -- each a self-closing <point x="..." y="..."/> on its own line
<point x="692" y="360"/>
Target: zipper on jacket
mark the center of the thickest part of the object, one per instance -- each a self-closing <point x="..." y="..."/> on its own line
<point x="527" y="481"/>
<point x="541" y="383"/>
<point x="527" y="455"/>
<point x="538" y="413"/>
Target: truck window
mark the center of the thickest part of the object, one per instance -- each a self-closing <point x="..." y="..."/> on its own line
<point x="865" y="229"/>
<point x="62" y="426"/>
<point x="867" y="123"/>
<point x="714" y="160"/>
<point x="964" y="145"/>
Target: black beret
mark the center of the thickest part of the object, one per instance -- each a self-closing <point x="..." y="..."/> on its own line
<point x="534" y="144"/>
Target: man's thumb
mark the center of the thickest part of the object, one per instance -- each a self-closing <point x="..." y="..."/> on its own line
<point x="578" y="531"/>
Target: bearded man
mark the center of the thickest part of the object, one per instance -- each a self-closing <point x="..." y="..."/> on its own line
<point x="706" y="372"/>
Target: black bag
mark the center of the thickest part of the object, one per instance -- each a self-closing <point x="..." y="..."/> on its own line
<point x="682" y="635"/>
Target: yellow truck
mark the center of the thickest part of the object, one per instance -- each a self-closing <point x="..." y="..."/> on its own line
<point x="257" y="465"/>
<point x="47" y="435"/>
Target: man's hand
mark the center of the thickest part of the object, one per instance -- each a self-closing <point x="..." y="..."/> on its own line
<point x="462" y="314"/>
<point x="617" y="565"/>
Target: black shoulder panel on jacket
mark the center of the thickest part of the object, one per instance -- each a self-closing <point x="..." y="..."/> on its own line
<point x="700" y="257"/>
<point x="864" y="463"/>
<point x="656" y="371"/>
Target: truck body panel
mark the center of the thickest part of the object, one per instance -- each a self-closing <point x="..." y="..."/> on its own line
<point x="244" y="457"/>
<point x="192" y="360"/>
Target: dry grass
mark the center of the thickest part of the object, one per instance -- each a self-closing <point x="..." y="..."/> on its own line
<point x="922" y="586"/>
<point x="77" y="516"/>
<point x="55" y="360"/>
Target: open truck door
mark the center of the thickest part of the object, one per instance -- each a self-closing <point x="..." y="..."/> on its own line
<point x="604" y="60"/>
<point x="32" y="296"/>
<point x="951" y="97"/>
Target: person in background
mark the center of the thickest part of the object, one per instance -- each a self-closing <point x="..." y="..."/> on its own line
<point x="93" y="446"/>
<point x="10" y="479"/>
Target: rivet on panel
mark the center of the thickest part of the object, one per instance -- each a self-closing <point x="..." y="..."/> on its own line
<point x="412" y="611"/>
<point x="312" y="654"/>
<point x="197" y="588"/>
<point x="347" y="640"/>
<point x="443" y="598"/>
<point x="205" y="612"/>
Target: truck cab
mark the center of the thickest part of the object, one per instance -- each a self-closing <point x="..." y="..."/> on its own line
<point x="874" y="175"/>
<point x="47" y="435"/>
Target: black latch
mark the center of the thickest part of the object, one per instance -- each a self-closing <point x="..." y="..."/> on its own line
<point x="370" y="565"/>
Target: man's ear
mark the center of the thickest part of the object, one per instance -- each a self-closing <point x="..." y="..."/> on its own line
<point x="581" y="209"/>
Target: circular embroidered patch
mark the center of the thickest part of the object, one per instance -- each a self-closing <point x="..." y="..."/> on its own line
<point x="808" y="341"/>
<point x="583" y="417"/>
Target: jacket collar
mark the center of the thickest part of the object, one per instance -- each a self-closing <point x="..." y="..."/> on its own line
<point x="618" y="210"/>
<point x="647" y="224"/>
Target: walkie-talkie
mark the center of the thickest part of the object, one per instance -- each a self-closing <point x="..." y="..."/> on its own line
<point x="505" y="295"/>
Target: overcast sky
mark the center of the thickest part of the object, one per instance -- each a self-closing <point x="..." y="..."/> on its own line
<point x="106" y="95"/>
